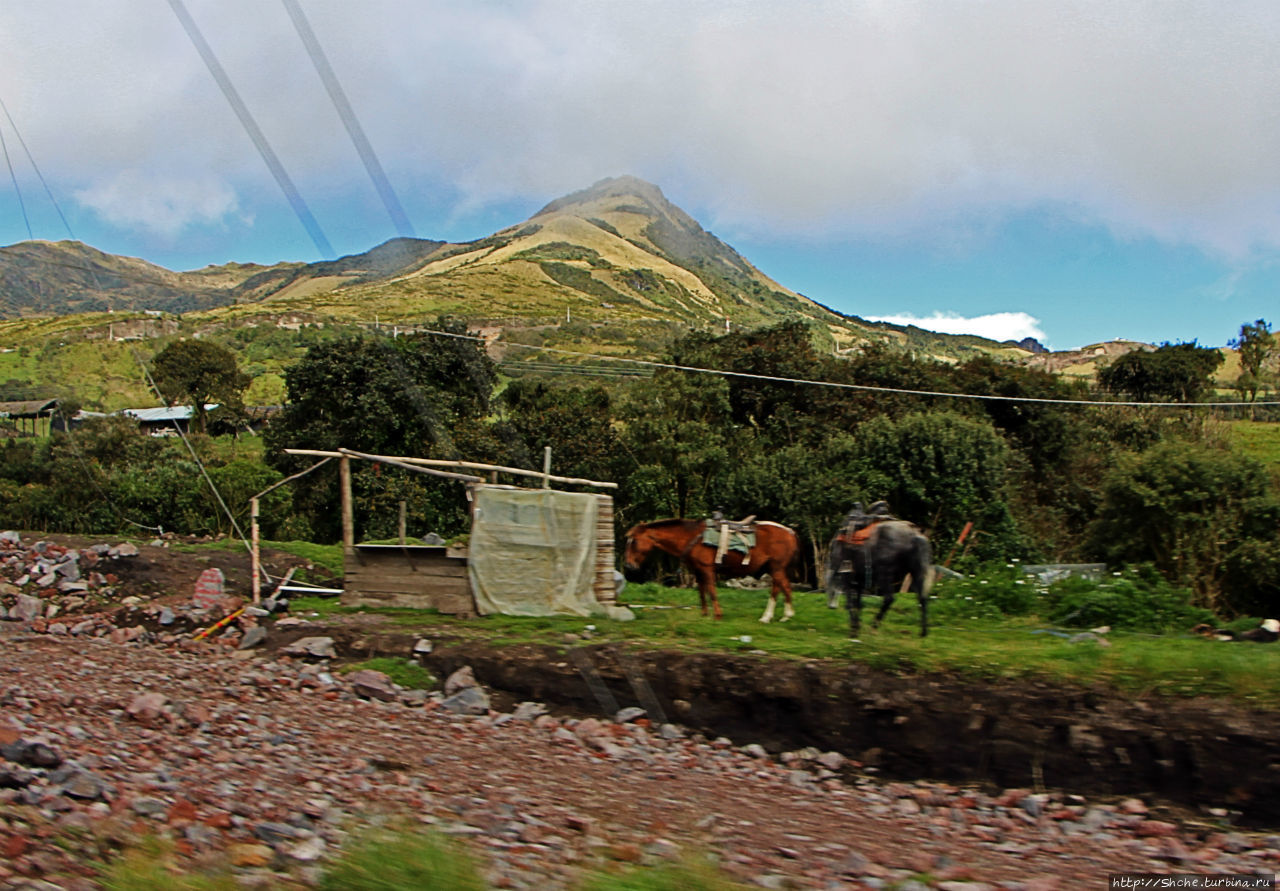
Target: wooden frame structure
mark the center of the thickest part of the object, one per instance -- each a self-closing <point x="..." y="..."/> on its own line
<point x="436" y="577"/>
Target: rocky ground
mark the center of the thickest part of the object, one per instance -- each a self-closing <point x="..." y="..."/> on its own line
<point x="252" y="749"/>
<point x="268" y="761"/>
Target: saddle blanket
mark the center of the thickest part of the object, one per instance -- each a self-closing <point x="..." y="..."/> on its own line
<point x="742" y="542"/>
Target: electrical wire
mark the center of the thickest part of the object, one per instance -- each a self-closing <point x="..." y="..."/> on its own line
<point x="862" y="387"/>
<point x="349" y="120"/>
<point x="16" y="189"/>
<point x="254" y="132"/>
<point x="22" y="142"/>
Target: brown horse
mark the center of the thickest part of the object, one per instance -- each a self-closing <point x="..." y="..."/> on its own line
<point x="775" y="548"/>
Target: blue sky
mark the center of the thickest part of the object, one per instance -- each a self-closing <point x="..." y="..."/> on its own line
<point x="1074" y="171"/>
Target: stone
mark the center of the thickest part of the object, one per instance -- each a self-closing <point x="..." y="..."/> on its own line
<point x="832" y="760"/>
<point x="462" y="678"/>
<point x="167" y="616"/>
<point x="529" y="711"/>
<point x="627" y="715"/>
<point x="249" y="855"/>
<point x="371" y="684"/>
<point x="27" y="608"/>
<point x="312" y="647"/>
<point x="31" y="754"/>
<point x="467" y="701"/>
<point x="255" y="636"/>
<point x="209" y="591"/>
<point x="147" y="708"/>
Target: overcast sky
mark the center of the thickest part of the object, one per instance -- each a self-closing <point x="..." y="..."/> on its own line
<point x="1074" y="171"/>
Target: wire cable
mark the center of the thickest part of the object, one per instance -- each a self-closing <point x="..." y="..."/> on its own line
<point x="349" y="120"/>
<point x="17" y="190"/>
<point x="864" y="387"/>
<point x="254" y="132"/>
<point x="22" y="142"/>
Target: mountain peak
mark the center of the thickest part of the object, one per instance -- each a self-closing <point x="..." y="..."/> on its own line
<point x="610" y="188"/>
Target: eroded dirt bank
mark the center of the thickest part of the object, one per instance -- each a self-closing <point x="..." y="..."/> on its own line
<point x="1199" y="752"/>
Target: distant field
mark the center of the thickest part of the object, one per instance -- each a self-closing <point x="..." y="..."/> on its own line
<point x="1259" y="440"/>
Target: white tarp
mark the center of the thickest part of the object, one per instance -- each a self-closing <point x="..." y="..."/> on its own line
<point x="533" y="552"/>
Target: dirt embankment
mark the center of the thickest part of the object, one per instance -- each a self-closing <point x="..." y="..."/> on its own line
<point x="1200" y="752"/>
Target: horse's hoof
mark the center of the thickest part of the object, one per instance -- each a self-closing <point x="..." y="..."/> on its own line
<point x="764" y="621"/>
<point x="785" y="619"/>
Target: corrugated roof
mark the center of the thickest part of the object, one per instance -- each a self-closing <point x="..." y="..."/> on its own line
<point x="26" y="409"/>
<point x="163" y="413"/>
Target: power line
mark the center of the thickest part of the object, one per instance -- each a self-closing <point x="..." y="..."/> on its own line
<point x="22" y="142"/>
<point x="349" y="120"/>
<point x="253" y="130"/>
<point x="16" y="189"/>
<point x="863" y="387"/>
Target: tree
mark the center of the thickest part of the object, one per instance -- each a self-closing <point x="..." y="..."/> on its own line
<point x="199" y="372"/>
<point x="1206" y="518"/>
<point x="1173" y="372"/>
<point x="420" y="395"/>
<point x="1255" y="343"/>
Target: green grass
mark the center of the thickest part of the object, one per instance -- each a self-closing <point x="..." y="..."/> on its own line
<point x="151" y="865"/>
<point x="976" y="647"/>
<point x="1258" y="440"/>
<point x="401" y="671"/>
<point x="394" y="860"/>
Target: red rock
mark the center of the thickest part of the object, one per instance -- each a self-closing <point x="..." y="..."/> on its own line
<point x="181" y="810"/>
<point x="1132" y="806"/>
<point x="1155" y="829"/>
<point x="628" y="853"/>
<point x="15" y="846"/>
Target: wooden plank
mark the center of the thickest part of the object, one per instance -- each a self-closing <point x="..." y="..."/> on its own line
<point x="449" y="586"/>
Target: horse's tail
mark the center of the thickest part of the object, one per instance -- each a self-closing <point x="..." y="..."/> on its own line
<point x="922" y="563"/>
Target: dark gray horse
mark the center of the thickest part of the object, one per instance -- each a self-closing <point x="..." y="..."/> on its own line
<point x="877" y="560"/>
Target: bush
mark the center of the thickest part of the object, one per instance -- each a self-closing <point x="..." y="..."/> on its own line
<point x="1137" y="599"/>
<point x="990" y="593"/>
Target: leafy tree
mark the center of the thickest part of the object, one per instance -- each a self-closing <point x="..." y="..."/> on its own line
<point x="1205" y="517"/>
<point x="423" y="395"/>
<point x="1173" y="372"/>
<point x="199" y="372"/>
<point x="576" y="421"/>
<point x="1256" y="343"/>
<point x="676" y="440"/>
<point x="939" y="470"/>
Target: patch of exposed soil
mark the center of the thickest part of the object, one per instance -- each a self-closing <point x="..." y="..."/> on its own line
<point x="166" y="573"/>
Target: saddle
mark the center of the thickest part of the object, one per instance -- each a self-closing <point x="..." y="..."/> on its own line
<point x="857" y="536"/>
<point x="727" y="535"/>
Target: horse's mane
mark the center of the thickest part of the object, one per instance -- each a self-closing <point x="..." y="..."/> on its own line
<point x="667" y="524"/>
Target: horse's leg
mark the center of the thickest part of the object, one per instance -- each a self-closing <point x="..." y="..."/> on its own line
<point x="884" y="581"/>
<point x="767" y="616"/>
<point x="924" y="613"/>
<point x="707" y="590"/>
<point x="780" y="580"/>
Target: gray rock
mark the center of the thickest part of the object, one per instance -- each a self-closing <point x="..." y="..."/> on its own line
<point x="32" y="754"/>
<point x="468" y="701"/>
<point x="627" y="715"/>
<point x="10" y="538"/>
<point x="461" y="679"/>
<point x="312" y="647"/>
<point x="126" y="549"/>
<point x="148" y="807"/>
<point x="832" y="760"/>
<point x="27" y="608"/>
<point x="670" y="731"/>
<point x="255" y="636"/>
<point x="167" y="616"/>
<point x="528" y="711"/>
<point x="422" y="647"/>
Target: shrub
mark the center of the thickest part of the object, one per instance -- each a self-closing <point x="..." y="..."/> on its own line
<point x="990" y="593"/>
<point x="1137" y="599"/>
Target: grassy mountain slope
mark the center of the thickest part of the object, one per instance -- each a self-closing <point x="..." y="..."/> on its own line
<point x="615" y="268"/>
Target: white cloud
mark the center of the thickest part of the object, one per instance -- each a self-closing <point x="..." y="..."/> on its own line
<point x="915" y="117"/>
<point x="159" y="205"/>
<point x="998" y="326"/>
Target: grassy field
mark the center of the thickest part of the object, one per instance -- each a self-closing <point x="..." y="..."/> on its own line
<point x="968" y="638"/>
